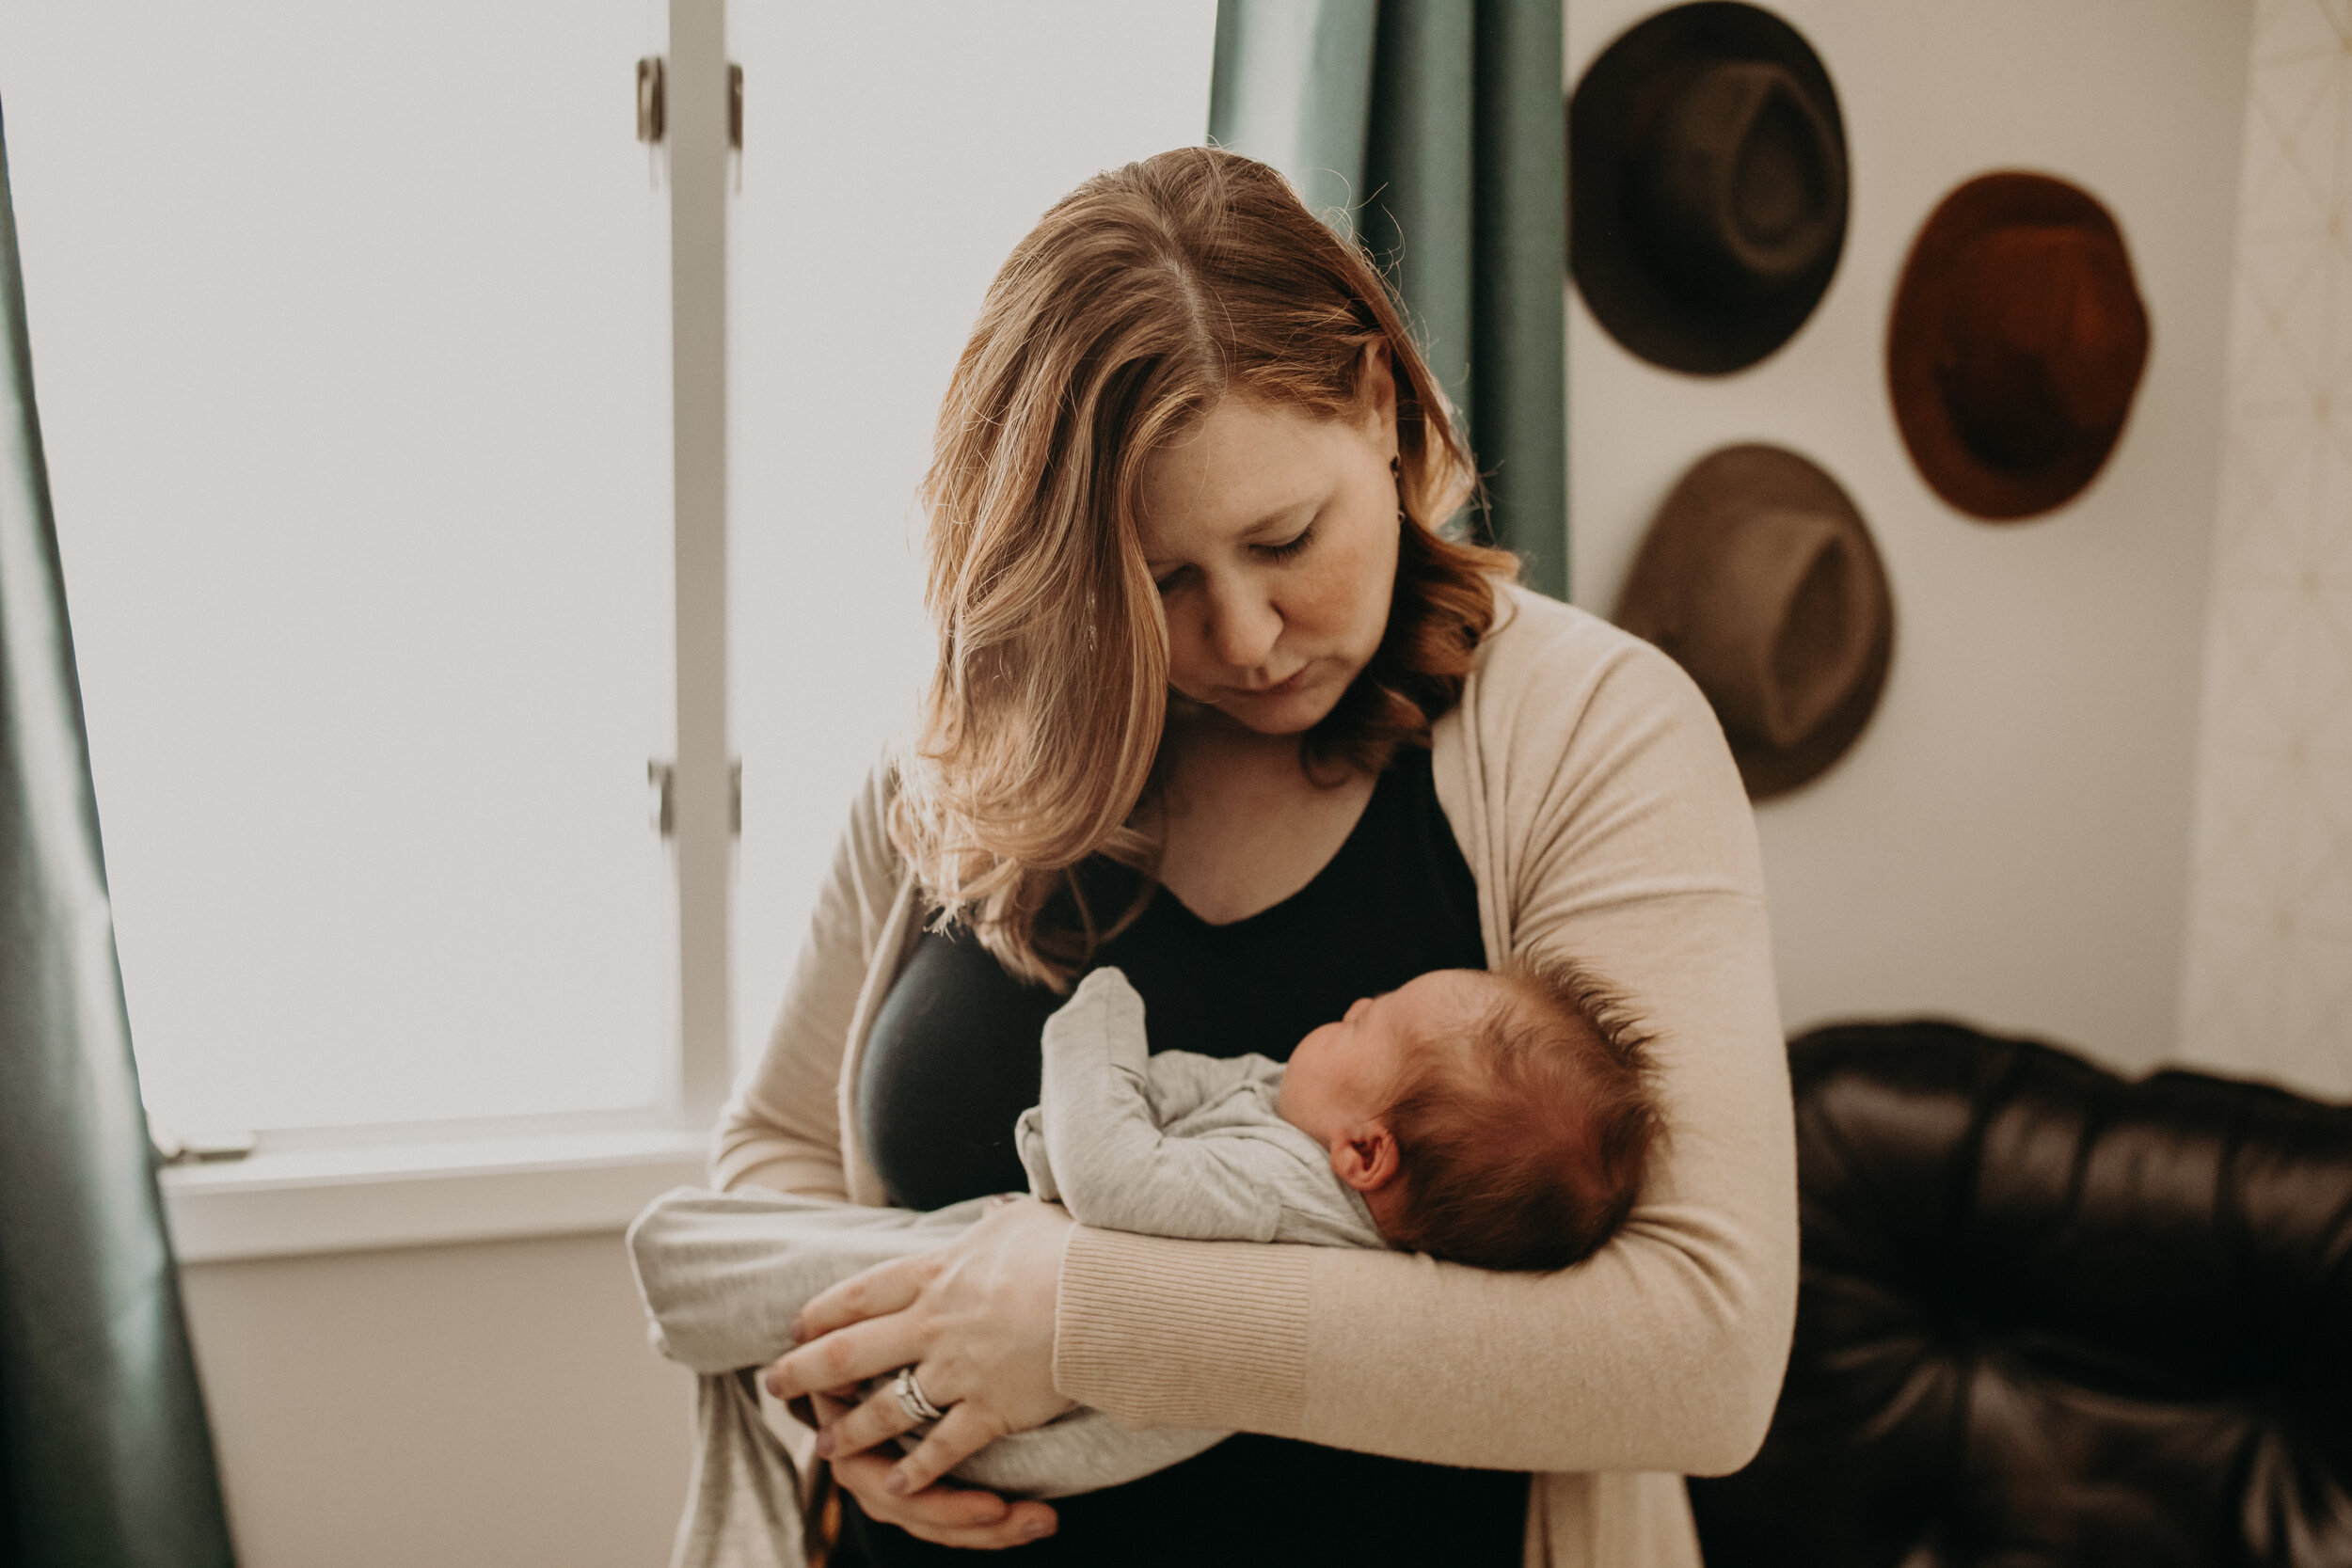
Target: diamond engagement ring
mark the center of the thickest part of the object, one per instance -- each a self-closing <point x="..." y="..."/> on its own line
<point x="911" y="1400"/>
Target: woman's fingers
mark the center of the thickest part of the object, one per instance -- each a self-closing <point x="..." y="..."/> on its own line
<point x="976" y="1315"/>
<point x="944" y="1515"/>
<point x="847" y="1356"/>
<point x="866" y="1477"/>
<point x="964" y="1430"/>
<point x="881" y="1289"/>
<point x="879" y="1419"/>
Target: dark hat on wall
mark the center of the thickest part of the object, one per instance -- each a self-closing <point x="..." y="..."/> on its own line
<point x="2016" y="344"/>
<point x="1760" y="578"/>
<point x="1706" y="186"/>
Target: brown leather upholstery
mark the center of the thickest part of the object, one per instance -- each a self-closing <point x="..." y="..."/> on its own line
<point x="2053" y="1317"/>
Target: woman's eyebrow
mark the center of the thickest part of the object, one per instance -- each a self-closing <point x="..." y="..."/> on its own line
<point x="1281" y="517"/>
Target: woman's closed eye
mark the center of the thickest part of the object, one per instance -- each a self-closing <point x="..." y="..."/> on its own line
<point x="1288" y="549"/>
<point x="1296" y="544"/>
<point x="1168" y="576"/>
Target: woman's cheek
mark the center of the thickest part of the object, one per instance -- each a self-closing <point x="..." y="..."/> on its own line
<point x="1187" y="663"/>
<point x="1354" y="602"/>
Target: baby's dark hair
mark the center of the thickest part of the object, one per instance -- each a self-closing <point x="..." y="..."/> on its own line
<point x="1523" y="1136"/>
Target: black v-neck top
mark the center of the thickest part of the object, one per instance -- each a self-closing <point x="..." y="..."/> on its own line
<point x="953" y="1058"/>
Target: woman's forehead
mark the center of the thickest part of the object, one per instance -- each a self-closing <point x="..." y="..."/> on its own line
<point x="1243" y="464"/>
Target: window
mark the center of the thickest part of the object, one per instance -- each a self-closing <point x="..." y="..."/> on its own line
<point x="351" y="337"/>
<point x="352" y="356"/>
<point x="897" y="154"/>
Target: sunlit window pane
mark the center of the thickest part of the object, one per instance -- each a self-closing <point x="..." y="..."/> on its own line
<point x="895" y="153"/>
<point x="350" y="337"/>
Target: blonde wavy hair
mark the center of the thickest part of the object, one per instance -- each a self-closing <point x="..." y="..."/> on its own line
<point x="1137" y="302"/>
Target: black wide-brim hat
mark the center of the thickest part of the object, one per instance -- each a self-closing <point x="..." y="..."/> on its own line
<point x="1759" y="577"/>
<point x="1706" y="186"/>
<point x="2015" y="345"/>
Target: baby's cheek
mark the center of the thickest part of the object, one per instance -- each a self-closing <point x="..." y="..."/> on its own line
<point x="1294" y="1100"/>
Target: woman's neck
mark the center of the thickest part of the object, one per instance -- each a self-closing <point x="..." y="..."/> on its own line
<point x="1245" y="825"/>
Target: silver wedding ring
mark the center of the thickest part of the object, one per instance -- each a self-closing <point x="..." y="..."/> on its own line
<point x="911" y="1400"/>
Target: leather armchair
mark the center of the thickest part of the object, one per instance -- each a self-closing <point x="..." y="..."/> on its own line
<point x="2053" y="1317"/>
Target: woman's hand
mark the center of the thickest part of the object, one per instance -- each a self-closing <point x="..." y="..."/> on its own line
<point x="943" y="1514"/>
<point x="974" y="1319"/>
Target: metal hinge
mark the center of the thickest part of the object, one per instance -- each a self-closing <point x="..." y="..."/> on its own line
<point x="663" y="776"/>
<point x="653" y="107"/>
<point x="653" y="103"/>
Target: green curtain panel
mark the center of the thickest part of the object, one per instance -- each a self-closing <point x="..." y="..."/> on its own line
<point x="1435" y="130"/>
<point x="105" y="1460"/>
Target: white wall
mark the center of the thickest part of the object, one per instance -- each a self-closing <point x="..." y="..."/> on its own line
<point x="2008" y="842"/>
<point x="486" y="1406"/>
<point x="2267" y="985"/>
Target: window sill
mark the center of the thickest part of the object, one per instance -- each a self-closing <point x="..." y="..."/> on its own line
<point x="283" y="1203"/>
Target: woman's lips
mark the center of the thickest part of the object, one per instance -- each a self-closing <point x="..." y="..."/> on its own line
<point x="1283" y="688"/>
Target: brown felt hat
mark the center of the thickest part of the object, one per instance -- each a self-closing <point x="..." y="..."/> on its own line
<point x="2016" y="344"/>
<point x="1759" y="577"/>
<point x="1706" y="186"/>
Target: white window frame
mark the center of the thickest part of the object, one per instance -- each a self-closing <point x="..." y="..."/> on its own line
<point x="344" y="1189"/>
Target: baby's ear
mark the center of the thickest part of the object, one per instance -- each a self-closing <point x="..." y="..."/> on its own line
<point x="1365" y="1157"/>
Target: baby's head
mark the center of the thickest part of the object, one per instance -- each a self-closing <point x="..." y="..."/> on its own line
<point x="1498" y="1120"/>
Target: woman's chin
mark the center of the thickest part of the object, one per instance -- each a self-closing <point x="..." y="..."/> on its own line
<point x="1291" y="715"/>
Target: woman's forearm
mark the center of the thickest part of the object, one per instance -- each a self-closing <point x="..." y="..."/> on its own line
<point x="1656" y="1359"/>
<point x="1662" y="1352"/>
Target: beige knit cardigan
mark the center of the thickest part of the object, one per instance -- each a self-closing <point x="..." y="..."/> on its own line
<point x="1593" y="795"/>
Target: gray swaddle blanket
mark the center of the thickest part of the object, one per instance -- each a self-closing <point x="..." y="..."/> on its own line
<point x="1173" y="1145"/>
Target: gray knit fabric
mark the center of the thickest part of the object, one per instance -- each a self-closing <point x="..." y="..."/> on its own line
<point x="1175" y="1144"/>
<point x="724" y="1273"/>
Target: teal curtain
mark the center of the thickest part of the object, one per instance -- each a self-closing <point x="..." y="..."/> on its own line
<point x="1434" y="131"/>
<point x="105" y="1460"/>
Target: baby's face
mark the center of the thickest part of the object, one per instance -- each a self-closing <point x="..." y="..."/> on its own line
<point x="1347" y="1073"/>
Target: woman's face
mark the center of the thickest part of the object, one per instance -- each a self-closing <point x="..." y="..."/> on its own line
<point x="1273" y="535"/>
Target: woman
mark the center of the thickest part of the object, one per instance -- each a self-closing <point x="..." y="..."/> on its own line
<point x="1216" y="703"/>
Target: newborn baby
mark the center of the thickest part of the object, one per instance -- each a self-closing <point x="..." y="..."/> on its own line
<point x="1495" y="1120"/>
<point x="1498" y="1120"/>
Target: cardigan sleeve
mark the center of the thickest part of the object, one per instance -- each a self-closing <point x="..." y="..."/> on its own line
<point x="782" y="1129"/>
<point x="1611" y="829"/>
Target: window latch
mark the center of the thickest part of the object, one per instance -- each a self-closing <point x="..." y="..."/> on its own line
<point x="662" y="777"/>
<point x="653" y="110"/>
<point x="199" y="1149"/>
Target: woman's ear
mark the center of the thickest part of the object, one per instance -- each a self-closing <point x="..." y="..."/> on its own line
<point x="1375" y="389"/>
<point x="1365" y="1157"/>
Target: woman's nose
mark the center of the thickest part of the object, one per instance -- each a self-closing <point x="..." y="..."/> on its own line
<point x="1243" y="628"/>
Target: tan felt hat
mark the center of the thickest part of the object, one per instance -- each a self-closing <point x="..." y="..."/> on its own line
<point x="2016" y="344"/>
<point x="1760" y="578"/>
